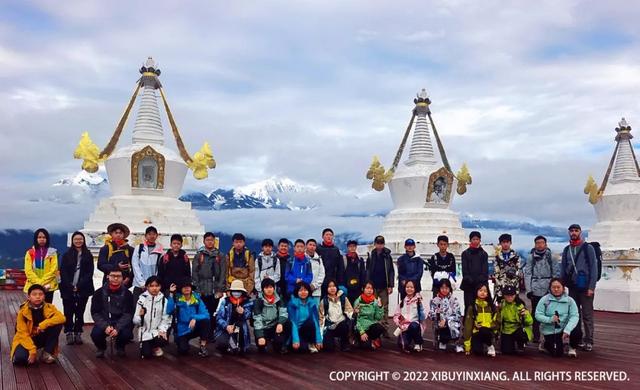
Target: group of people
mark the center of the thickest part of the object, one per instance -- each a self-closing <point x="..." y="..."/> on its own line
<point x="311" y="299"/>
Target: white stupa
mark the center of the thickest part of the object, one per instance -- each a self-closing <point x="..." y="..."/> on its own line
<point x="617" y="206"/>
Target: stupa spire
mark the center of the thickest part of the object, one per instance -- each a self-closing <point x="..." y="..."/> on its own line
<point x="421" y="151"/>
<point x="148" y="126"/>
<point x="626" y="164"/>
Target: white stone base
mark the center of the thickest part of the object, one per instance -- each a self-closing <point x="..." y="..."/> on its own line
<point x="616" y="234"/>
<point x="619" y="288"/>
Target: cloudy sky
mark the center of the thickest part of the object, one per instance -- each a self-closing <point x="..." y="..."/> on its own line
<point x="526" y="93"/>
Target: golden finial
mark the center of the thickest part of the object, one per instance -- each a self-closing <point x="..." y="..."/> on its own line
<point x="464" y="179"/>
<point x="88" y="152"/>
<point x="591" y="189"/>
<point x="377" y="173"/>
<point x="202" y="161"/>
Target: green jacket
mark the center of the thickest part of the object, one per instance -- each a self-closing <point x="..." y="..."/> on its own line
<point x="479" y="314"/>
<point x="267" y="315"/>
<point x="510" y="319"/>
<point x="369" y="314"/>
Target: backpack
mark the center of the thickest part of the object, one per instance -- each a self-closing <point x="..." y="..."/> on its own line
<point x="549" y="261"/>
<point x="598" y="250"/>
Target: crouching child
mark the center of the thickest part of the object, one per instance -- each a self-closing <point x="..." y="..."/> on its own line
<point x="191" y="317"/>
<point x="335" y="317"/>
<point x="270" y="319"/>
<point x="232" y="316"/>
<point x="480" y="324"/>
<point x="152" y="319"/>
<point x="409" y="317"/>
<point x="515" y="323"/>
<point x="444" y="311"/>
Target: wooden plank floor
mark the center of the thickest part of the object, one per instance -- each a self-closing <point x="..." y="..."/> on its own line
<point x="617" y="348"/>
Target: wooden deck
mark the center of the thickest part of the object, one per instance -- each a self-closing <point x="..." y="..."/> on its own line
<point x="617" y="348"/>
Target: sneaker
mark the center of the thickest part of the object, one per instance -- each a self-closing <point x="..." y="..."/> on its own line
<point x="157" y="352"/>
<point x="376" y="344"/>
<point x="491" y="351"/>
<point x="459" y="349"/>
<point x="417" y="348"/>
<point x="78" y="338"/>
<point x="203" y="352"/>
<point x="588" y="347"/>
<point x="313" y="349"/>
<point x="120" y="352"/>
<point x="71" y="339"/>
<point x="572" y="352"/>
<point x="541" y="347"/>
<point x="47" y="358"/>
<point x="100" y="353"/>
<point x="581" y="345"/>
<point x="442" y="346"/>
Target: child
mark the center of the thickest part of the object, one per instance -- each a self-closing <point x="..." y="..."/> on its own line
<point x="515" y="322"/>
<point x="241" y="264"/>
<point x="475" y="269"/>
<point x="298" y="270"/>
<point x="76" y="286"/>
<point x="305" y="324"/>
<point x="270" y="318"/>
<point x="234" y="312"/>
<point x="381" y="272"/>
<point x="442" y="265"/>
<point x="355" y="272"/>
<point x="209" y="274"/>
<point x="152" y="318"/>
<point x="410" y="267"/>
<point x="317" y="269"/>
<point x="284" y="258"/>
<point x="331" y="259"/>
<point x="480" y="324"/>
<point x="336" y="313"/>
<point x="445" y="313"/>
<point x="41" y="265"/>
<point x="116" y="253"/>
<point x="145" y="260"/>
<point x="38" y="325"/>
<point x="191" y="317"/>
<point x="409" y="317"/>
<point x="174" y="266"/>
<point x="558" y="315"/>
<point x="506" y="268"/>
<point x="267" y="265"/>
<point x="369" y="314"/>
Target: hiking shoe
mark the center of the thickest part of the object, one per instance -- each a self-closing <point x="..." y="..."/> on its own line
<point x="313" y="349"/>
<point x="120" y="352"/>
<point x="442" y="346"/>
<point x="572" y="352"/>
<point x="77" y="339"/>
<point x="47" y="358"/>
<point x="541" y="347"/>
<point x="459" y="349"/>
<point x="157" y="352"/>
<point x="203" y="352"/>
<point x="100" y="353"/>
<point x="71" y="339"/>
<point x="491" y="351"/>
<point x="377" y="343"/>
<point x="588" y="347"/>
<point x="417" y="348"/>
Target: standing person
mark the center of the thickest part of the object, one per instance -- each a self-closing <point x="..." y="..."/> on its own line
<point x="152" y="318"/>
<point x="369" y="312"/>
<point x="299" y="270"/>
<point x="441" y="265"/>
<point x="112" y="313"/>
<point x="191" y="317"/>
<point x="580" y="270"/>
<point x="317" y="269"/>
<point x="538" y="272"/>
<point x="409" y="317"/>
<point x="336" y="313"/>
<point x="284" y="258"/>
<point x="76" y="286"/>
<point x="332" y="259"/>
<point x="355" y="272"/>
<point x="41" y="264"/>
<point x="444" y="311"/>
<point x="232" y="317"/>
<point x="38" y="325"/>
<point x="306" y="335"/>
<point x="558" y="315"/>
<point x="270" y="319"/>
<point x="506" y="268"/>
<point x="480" y="323"/>
<point x="145" y="260"/>
<point x="381" y="273"/>
<point x="515" y="323"/>
<point x="241" y="264"/>
<point x="475" y="269"/>
<point x="174" y="267"/>
<point x="410" y="267"/>
<point x="116" y="253"/>
<point x="209" y="272"/>
<point x="267" y="265"/>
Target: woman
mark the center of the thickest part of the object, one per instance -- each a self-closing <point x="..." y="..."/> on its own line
<point x="41" y="264"/>
<point x="558" y="315"/>
<point x="76" y="286"/>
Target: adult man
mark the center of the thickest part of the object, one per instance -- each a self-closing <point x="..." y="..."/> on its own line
<point x="580" y="271"/>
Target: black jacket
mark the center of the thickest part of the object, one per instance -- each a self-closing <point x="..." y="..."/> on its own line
<point x="333" y="264"/>
<point x="118" y="255"/>
<point x="475" y="268"/>
<point x="68" y="269"/>
<point x="438" y="263"/>
<point x="355" y="275"/>
<point x="173" y="269"/>
<point x="112" y="308"/>
<point x="383" y="260"/>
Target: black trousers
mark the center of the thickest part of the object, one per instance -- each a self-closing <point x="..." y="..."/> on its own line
<point x="536" y="324"/>
<point x="211" y="303"/>
<point x="341" y="331"/>
<point x="509" y="342"/>
<point x="147" y="347"/>
<point x="444" y="335"/>
<point x="48" y="340"/>
<point x="99" y="338"/>
<point x="277" y="340"/>
<point x="555" y="346"/>
<point x="74" y="313"/>
<point x="483" y="337"/>
<point x="413" y="335"/>
<point x="201" y="330"/>
<point x="375" y="331"/>
<point x="307" y="334"/>
<point x="48" y="296"/>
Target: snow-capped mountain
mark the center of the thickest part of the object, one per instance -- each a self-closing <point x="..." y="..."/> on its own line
<point x="85" y="180"/>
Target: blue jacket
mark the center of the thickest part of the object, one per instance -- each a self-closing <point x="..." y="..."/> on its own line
<point x="297" y="269"/>
<point x="299" y="313"/>
<point x="187" y="311"/>
<point x="224" y="315"/>
<point x="567" y="311"/>
<point x="410" y="268"/>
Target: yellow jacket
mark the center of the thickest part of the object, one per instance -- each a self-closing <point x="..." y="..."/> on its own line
<point x="480" y="314"/>
<point x="48" y="275"/>
<point x="24" y="326"/>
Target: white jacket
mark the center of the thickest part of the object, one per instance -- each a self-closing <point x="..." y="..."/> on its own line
<point x="156" y="319"/>
<point x="317" y="269"/>
<point x="145" y="264"/>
